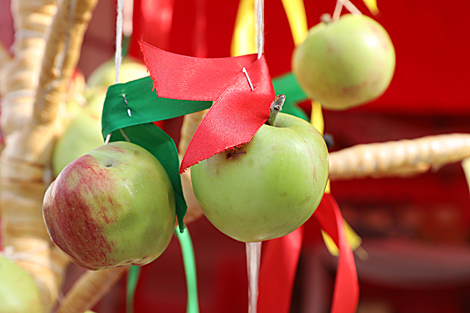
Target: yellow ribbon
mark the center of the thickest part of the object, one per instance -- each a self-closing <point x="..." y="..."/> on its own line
<point x="244" y="40"/>
<point x="372" y="6"/>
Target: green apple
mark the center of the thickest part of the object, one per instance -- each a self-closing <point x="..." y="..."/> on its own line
<point x="82" y="134"/>
<point x="95" y="97"/>
<point x="18" y="291"/>
<point x="105" y="74"/>
<point x="83" y="131"/>
<point x="345" y="63"/>
<point x="268" y="187"/>
<point x="114" y="206"/>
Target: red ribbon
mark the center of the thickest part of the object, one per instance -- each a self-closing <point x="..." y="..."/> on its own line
<point x="277" y="272"/>
<point x="280" y="260"/>
<point x="346" y="291"/>
<point x="238" y="110"/>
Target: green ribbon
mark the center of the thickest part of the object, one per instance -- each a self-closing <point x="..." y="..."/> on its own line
<point x="189" y="262"/>
<point x="132" y="279"/>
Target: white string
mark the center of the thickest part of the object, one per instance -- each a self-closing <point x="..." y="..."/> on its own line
<point x="108" y="137"/>
<point x="348" y="5"/>
<point x="118" y="54"/>
<point x="253" y="249"/>
<point x="260" y="26"/>
<point x="118" y="58"/>
<point x="124" y="135"/>
<point x="351" y="7"/>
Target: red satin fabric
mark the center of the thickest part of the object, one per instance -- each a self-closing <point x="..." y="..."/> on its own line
<point x="277" y="273"/>
<point x="346" y="291"/>
<point x="152" y="22"/>
<point x="238" y="111"/>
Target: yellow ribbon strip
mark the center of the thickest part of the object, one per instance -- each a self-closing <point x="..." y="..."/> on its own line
<point x="244" y="40"/>
<point x="372" y="6"/>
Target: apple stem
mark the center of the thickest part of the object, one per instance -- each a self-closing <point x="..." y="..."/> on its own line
<point x="325" y="18"/>
<point x="276" y="107"/>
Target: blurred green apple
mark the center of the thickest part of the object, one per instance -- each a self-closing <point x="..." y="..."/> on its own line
<point x="18" y="291"/>
<point x="82" y="134"/>
<point x="114" y="206"/>
<point x="83" y="125"/>
<point x="104" y="75"/>
<point x="268" y="187"/>
<point x="83" y="131"/>
<point x="345" y="63"/>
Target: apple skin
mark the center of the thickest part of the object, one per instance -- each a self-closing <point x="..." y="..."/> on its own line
<point x="114" y="206"/>
<point x="345" y="63"/>
<point x="18" y="291"/>
<point x="268" y="187"/>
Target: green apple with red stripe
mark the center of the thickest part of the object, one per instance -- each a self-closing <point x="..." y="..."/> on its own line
<point x="114" y="206"/>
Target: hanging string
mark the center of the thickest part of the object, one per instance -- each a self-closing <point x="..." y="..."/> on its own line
<point x="118" y="58"/>
<point x="118" y="54"/>
<point x="348" y="5"/>
<point x="260" y="26"/>
<point x="253" y="249"/>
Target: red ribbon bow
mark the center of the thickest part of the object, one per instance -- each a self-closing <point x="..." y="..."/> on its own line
<point x="240" y="87"/>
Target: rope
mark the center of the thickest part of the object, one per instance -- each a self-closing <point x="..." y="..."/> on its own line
<point x="30" y="256"/>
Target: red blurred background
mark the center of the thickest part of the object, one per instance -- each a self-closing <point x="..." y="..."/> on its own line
<point x="415" y="230"/>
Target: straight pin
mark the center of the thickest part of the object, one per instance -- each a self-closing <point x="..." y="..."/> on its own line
<point x="248" y="78"/>
<point x="128" y="110"/>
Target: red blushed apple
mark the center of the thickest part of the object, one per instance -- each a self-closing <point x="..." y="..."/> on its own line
<point x="114" y="206"/>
